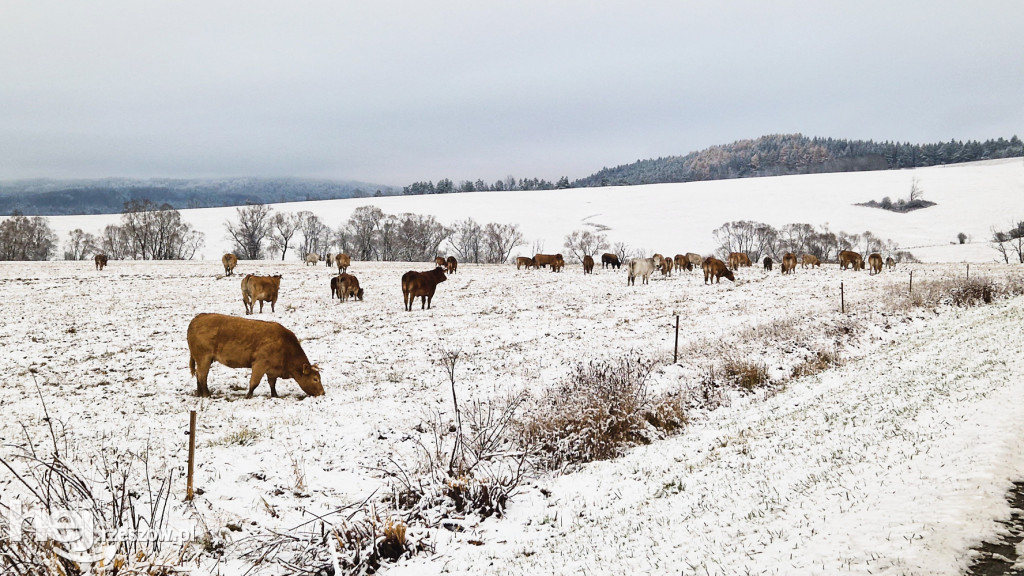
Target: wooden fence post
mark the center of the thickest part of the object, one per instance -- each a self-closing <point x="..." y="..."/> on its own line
<point x="191" y="453"/>
<point x="675" y="354"/>
<point x="842" y="298"/>
<point x="911" y="281"/>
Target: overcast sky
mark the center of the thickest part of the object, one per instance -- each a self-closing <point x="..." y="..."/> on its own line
<point x="392" y="92"/>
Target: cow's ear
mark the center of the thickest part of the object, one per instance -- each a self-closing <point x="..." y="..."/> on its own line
<point x="305" y="369"/>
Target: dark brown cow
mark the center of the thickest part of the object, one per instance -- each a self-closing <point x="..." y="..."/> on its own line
<point x="100" y="260"/>
<point x="544" y="260"/>
<point x="788" y="263"/>
<point x="440" y="261"/>
<point x="890" y="263"/>
<point x="229" y="261"/>
<point x="768" y="263"/>
<point x="715" y="268"/>
<point x="267" y="347"/>
<point x="262" y="288"/>
<point x="345" y="286"/>
<point x="809" y="260"/>
<point x="559" y="263"/>
<point x="525" y="261"/>
<point x="609" y="259"/>
<point x="453" y="264"/>
<point x="343" y="261"/>
<point x="681" y="262"/>
<point x="875" y="263"/>
<point x="588" y="264"/>
<point x="328" y="259"/>
<point x="850" y="258"/>
<point x="737" y="259"/>
<point x="422" y="284"/>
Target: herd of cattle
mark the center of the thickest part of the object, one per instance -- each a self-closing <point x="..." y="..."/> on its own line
<point x="272" y="350"/>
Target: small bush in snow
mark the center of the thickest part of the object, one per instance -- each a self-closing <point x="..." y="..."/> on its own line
<point x="598" y="411"/>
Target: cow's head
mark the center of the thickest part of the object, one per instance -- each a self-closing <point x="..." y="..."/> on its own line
<point x="309" y="380"/>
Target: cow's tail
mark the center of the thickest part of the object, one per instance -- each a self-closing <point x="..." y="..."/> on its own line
<point x="192" y="364"/>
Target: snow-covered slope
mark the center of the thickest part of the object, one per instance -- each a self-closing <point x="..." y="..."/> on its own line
<point x="675" y="218"/>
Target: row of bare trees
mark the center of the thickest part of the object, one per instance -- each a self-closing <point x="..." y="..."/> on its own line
<point x="369" y="234"/>
<point x="26" y="238"/>
<point x="147" y="232"/>
<point x="1010" y="243"/>
<point x="758" y="239"/>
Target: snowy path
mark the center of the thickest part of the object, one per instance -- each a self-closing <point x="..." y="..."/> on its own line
<point x="887" y="465"/>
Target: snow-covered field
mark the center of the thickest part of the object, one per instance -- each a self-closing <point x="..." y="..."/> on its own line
<point x="897" y="462"/>
<point x="971" y="198"/>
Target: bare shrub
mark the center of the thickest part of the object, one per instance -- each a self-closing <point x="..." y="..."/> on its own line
<point x="84" y="509"/>
<point x="741" y="373"/>
<point x="820" y="361"/>
<point x="596" y="413"/>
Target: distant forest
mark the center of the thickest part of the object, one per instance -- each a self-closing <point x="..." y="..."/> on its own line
<point x="109" y="195"/>
<point x="774" y="155"/>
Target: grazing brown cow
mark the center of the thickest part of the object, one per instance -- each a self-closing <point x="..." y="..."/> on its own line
<point x="695" y="260"/>
<point x="666" y="266"/>
<point x="422" y="284"/>
<point x="544" y="260"/>
<point x="809" y="260"/>
<point x="343" y="261"/>
<point x="312" y="259"/>
<point x="875" y="263"/>
<point x="715" y="268"/>
<point x="100" y="260"/>
<point x="345" y="286"/>
<point x="890" y="263"/>
<point x="609" y="259"/>
<point x="788" y="263"/>
<point x="737" y="259"/>
<point x="440" y="261"/>
<point x="850" y="258"/>
<point x="643" y="267"/>
<point x="262" y="288"/>
<point x="229" y="261"/>
<point x="266" y="347"/>
<point x="768" y="263"/>
<point x="453" y="264"/>
<point x="681" y="262"/>
<point x="525" y="261"/>
<point x="588" y="264"/>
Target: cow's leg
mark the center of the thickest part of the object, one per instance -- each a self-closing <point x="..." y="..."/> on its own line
<point x="257" y="374"/>
<point x="429" y="298"/>
<point x="261" y="306"/>
<point x="202" y="372"/>
<point x="272" y="303"/>
<point x="272" y="380"/>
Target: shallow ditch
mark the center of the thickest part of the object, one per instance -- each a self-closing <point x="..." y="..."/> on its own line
<point x="1000" y="558"/>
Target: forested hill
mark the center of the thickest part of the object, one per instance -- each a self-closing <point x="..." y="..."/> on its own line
<point x="108" y="195"/>
<point x="782" y="154"/>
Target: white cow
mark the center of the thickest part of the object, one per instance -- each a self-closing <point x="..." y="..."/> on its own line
<point x="640" y="267"/>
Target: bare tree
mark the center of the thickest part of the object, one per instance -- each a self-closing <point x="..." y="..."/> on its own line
<point x="80" y="245"/>
<point x="24" y="238"/>
<point x="621" y="250"/>
<point x="1009" y="243"/>
<point x="752" y="238"/>
<point x="500" y="240"/>
<point x="363" y="227"/>
<point x="582" y="243"/>
<point x="283" y="228"/>
<point x="115" y="242"/>
<point x="251" y="230"/>
<point x="419" y="237"/>
<point x="316" y="236"/>
<point x="466" y="240"/>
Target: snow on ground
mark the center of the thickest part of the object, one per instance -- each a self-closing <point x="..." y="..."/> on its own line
<point x="898" y="460"/>
<point x="971" y="198"/>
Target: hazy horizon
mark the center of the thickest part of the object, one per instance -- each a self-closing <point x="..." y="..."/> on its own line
<point x="396" y="92"/>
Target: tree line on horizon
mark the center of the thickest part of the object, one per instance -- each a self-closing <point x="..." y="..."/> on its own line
<point x="772" y="155"/>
